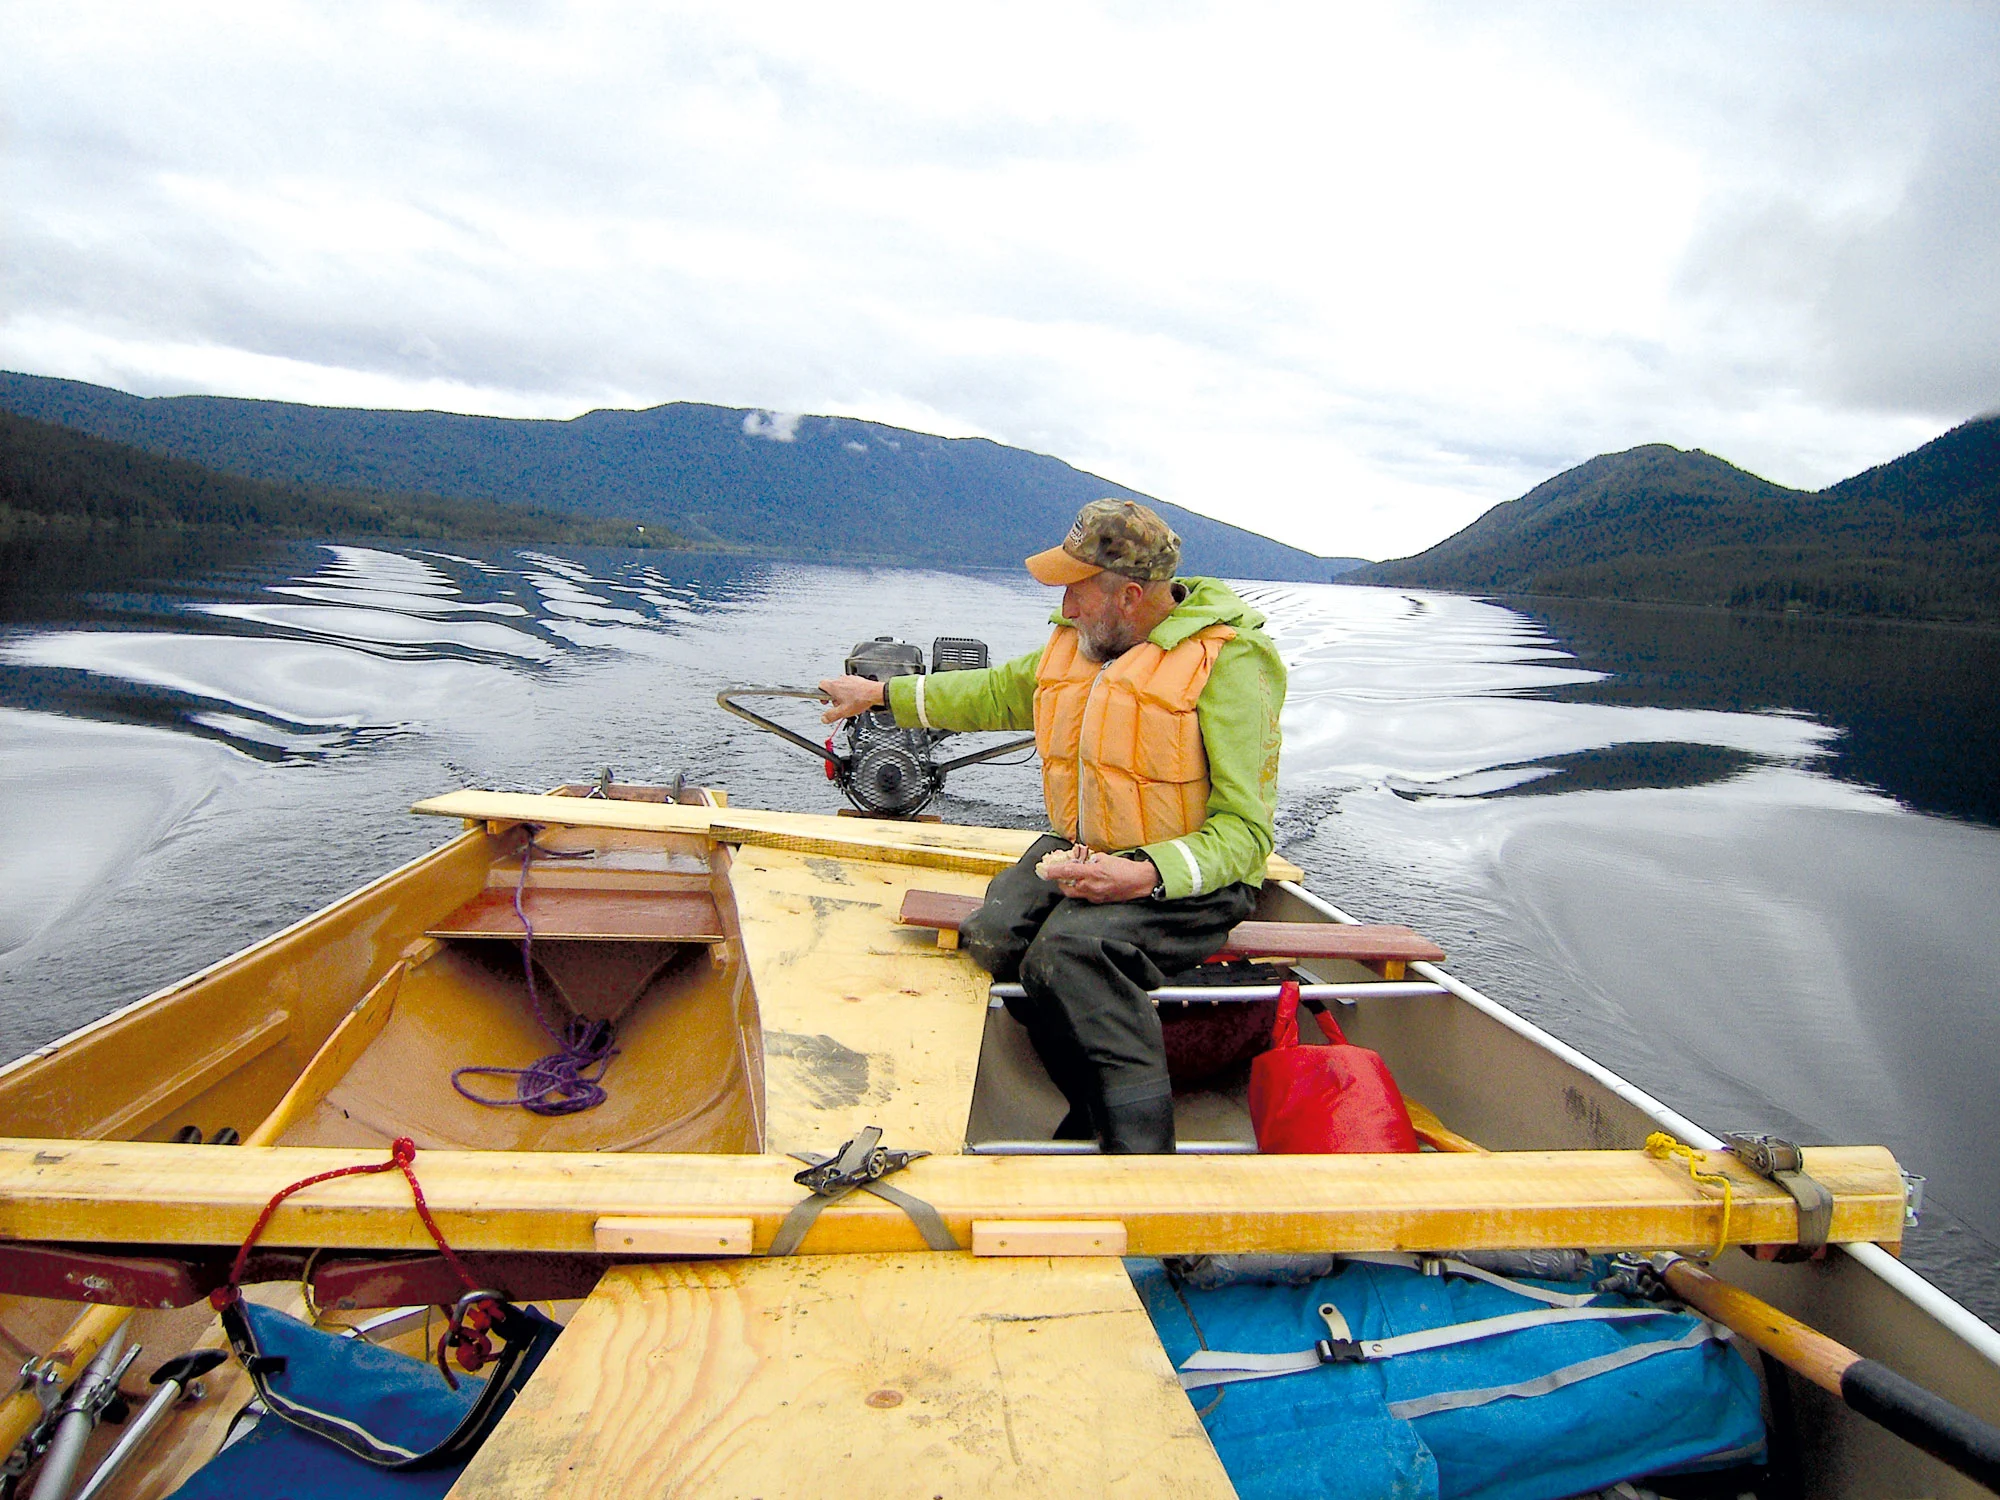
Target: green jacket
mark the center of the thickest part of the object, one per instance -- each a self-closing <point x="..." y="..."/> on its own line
<point x="1238" y="713"/>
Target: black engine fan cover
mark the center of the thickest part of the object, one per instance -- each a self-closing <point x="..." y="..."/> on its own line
<point x="889" y="771"/>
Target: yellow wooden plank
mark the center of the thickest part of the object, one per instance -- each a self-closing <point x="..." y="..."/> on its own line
<point x="568" y="812"/>
<point x="154" y="1193"/>
<point x="936" y="846"/>
<point x="899" y="1377"/>
<point x="865" y="1022"/>
<point x="1048" y="1237"/>
<point x="637" y="1235"/>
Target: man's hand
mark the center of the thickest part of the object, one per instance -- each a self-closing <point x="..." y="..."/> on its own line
<point x="851" y="697"/>
<point x="1102" y="879"/>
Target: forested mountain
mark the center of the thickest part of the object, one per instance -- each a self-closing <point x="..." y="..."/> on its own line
<point x="79" y="511"/>
<point x="821" y="487"/>
<point x="1916" y="538"/>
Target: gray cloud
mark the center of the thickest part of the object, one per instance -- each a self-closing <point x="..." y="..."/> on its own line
<point x="1356" y="287"/>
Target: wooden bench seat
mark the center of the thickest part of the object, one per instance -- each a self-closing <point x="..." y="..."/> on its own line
<point x="587" y="915"/>
<point x="1385" y="949"/>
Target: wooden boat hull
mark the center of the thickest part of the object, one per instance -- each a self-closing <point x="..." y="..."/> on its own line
<point x="803" y="1015"/>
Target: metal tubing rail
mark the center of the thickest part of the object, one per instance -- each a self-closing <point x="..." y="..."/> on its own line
<point x="1346" y="994"/>
<point x="1959" y="1320"/>
<point x="1091" y="1148"/>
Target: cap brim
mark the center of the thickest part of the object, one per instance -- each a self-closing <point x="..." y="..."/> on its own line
<point x="1058" y="569"/>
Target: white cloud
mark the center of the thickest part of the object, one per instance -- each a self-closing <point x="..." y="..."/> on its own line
<point x="773" y="426"/>
<point x="1346" y="274"/>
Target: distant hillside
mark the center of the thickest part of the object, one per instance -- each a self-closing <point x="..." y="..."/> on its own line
<point x="1916" y="538"/>
<point x="79" y="511"/>
<point x="821" y="487"/>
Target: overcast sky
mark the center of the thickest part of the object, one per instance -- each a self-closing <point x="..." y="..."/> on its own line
<point x="1344" y="274"/>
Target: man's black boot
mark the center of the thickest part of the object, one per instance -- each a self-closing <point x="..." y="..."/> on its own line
<point x="1073" y="1075"/>
<point x="1144" y="1127"/>
<point x="1076" y="1126"/>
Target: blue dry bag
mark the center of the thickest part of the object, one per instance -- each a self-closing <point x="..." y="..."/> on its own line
<point x="350" y="1421"/>
<point x="1572" y="1392"/>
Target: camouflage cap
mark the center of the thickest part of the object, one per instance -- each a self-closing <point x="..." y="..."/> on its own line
<point x="1117" y="536"/>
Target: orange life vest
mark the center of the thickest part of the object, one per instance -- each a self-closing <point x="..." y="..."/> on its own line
<point x="1122" y="758"/>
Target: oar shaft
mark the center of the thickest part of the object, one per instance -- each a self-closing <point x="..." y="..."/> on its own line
<point x="1924" y="1420"/>
<point x="1783" y="1337"/>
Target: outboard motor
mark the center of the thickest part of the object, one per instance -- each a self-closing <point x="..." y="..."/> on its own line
<point x="884" y="770"/>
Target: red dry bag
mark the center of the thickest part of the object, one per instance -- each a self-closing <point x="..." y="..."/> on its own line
<point x="1312" y="1100"/>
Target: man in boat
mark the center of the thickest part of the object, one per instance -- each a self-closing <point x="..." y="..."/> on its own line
<point x="1155" y="708"/>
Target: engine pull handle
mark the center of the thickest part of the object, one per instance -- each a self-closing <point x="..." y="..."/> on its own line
<point x="727" y="701"/>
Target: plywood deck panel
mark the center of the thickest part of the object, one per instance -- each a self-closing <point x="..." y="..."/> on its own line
<point x="146" y="1193"/>
<point x="864" y="1022"/>
<point x="885" y="1376"/>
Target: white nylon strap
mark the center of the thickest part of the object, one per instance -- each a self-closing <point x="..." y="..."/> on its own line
<point x="1478" y="1273"/>
<point x="1555" y="1380"/>
<point x="1207" y="1367"/>
<point x="1213" y="1367"/>
<point x="1486" y="1328"/>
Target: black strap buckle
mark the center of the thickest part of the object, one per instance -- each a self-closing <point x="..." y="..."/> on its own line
<point x="1781" y="1161"/>
<point x="1766" y="1155"/>
<point x="856" y="1164"/>
<point x="1340" y="1352"/>
<point x="859" y="1163"/>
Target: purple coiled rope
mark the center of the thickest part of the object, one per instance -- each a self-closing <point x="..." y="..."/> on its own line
<point x="566" y="1082"/>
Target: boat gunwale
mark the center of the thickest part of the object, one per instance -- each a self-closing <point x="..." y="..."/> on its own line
<point x="1925" y="1295"/>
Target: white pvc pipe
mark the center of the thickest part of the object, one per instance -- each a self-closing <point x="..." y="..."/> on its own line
<point x="1091" y="1148"/>
<point x="1347" y="994"/>
<point x="1958" y="1320"/>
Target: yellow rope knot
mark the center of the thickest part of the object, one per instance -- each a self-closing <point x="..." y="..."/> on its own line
<point x="1664" y="1147"/>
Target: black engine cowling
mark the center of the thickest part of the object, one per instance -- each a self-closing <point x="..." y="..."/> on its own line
<point x="888" y="771"/>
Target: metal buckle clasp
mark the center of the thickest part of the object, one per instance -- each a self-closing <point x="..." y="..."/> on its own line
<point x="861" y="1160"/>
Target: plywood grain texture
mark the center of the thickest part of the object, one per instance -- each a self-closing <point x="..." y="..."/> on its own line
<point x="147" y="1193"/>
<point x="884" y="1376"/>
<point x="865" y="1022"/>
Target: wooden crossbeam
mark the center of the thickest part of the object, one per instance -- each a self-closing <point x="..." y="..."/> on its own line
<point x="146" y="1193"/>
<point x="946" y="846"/>
<point x="1364" y="944"/>
<point x="606" y="915"/>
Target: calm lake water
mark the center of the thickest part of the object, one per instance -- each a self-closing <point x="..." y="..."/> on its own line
<point x="1749" y="864"/>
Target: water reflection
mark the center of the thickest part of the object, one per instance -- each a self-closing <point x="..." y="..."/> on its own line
<point x="1445" y="696"/>
<point x="1914" y="704"/>
<point x="1683" y="843"/>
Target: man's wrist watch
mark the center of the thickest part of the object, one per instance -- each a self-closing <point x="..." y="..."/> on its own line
<point x="1159" y="889"/>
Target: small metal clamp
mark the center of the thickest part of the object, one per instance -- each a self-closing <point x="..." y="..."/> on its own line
<point x="1641" y="1276"/>
<point x="43" y="1379"/>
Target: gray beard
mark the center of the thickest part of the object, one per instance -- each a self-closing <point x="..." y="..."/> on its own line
<point x="1103" y="648"/>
